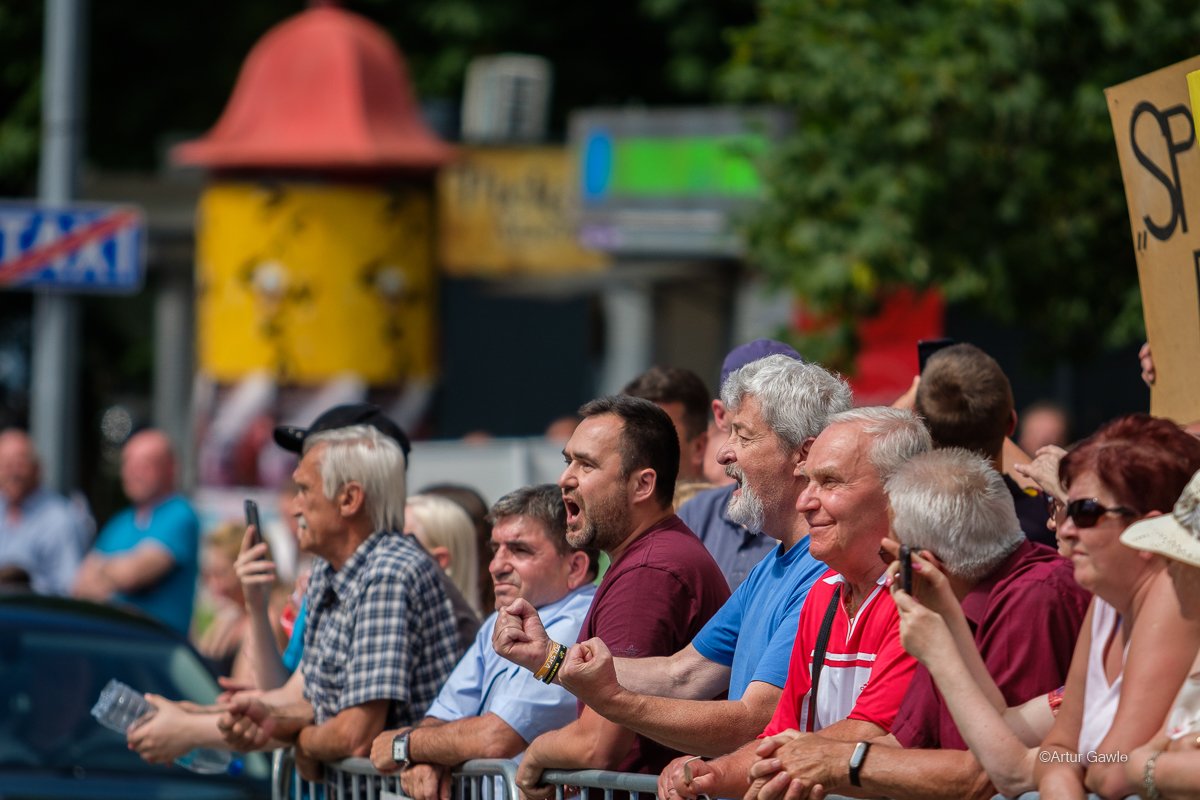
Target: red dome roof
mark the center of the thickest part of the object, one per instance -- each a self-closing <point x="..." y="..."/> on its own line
<point x="324" y="89"/>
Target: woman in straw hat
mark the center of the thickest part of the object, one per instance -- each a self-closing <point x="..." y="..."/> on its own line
<point x="1169" y="766"/>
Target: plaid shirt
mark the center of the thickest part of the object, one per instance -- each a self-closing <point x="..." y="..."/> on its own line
<point x="380" y="627"/>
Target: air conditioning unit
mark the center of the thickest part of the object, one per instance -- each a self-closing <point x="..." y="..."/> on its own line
<point x="506" y="99"/>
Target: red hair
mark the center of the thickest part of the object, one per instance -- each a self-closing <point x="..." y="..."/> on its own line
<point x="1144" y="461"/>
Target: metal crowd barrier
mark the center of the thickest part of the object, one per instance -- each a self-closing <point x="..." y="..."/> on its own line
<point x="356" y="779"/>
<point x="591" y="782"/>
<point x="481" y="779"/>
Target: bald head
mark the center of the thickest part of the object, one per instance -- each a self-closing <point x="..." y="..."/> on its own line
<point x="20" y="472"/>
<point x="147" y="467"/>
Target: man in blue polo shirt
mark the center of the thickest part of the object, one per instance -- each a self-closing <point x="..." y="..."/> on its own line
<point x="777" y="406"/>
<point x="735" y="547"/>
<point x="146" y="556"/>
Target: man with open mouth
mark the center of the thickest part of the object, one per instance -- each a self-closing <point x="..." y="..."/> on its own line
<point x="661" y="587"/>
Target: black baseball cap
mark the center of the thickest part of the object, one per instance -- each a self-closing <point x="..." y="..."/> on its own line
<point x="292" y="438"/>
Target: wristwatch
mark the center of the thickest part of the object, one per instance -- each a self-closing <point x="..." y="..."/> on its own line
<point x="400" y="749"/>
<point x="856" y="761"/>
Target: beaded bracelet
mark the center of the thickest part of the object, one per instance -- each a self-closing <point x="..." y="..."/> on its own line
<point x="1149" y="790"/>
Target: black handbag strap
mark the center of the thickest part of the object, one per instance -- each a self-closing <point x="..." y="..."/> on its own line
<point x="819" y="654"/>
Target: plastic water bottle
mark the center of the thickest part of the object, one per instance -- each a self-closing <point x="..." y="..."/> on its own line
<point x="120" y="706"/>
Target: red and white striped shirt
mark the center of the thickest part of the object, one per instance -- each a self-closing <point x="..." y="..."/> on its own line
<point x="866" y="672"/>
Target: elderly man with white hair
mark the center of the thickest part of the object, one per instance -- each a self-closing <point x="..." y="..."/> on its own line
<point x="380" y="639"/>
<point x="1020" y="601"/>
<point x="849" y="628"/>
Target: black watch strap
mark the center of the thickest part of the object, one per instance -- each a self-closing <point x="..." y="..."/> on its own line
<point x="856" y="761"/>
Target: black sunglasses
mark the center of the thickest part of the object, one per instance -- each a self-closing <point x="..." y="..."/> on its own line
<point x="1086" y="513"/>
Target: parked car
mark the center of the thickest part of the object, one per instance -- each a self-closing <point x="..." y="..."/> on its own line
<point x="55" y="657"/>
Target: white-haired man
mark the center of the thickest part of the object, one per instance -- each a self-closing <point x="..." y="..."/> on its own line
<point x="736" y="546"/>
<point x="380" y="639"/>
<point x="1024" y="608"/>
<point x="863" y="672"/>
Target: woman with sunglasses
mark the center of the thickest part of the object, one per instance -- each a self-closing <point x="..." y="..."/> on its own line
<point x="1134" y="648"/>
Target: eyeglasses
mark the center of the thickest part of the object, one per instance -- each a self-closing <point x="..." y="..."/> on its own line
<point x="1086" y="513"/>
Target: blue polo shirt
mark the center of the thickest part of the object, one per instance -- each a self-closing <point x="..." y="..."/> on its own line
<point x="754" y="631"/>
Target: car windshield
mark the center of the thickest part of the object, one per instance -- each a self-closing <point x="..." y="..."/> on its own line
<point x="50" y="678"/>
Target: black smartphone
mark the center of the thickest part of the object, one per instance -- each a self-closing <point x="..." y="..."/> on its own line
<point x="906" y="568"/>
<point x="252" y="519"/>
<point x="927" y="347"/>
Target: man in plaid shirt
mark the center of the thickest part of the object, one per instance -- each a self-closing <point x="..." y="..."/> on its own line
<point x="381" y="638"/>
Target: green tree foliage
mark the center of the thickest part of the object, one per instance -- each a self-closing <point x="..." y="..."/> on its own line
<point x="958" y="143"/>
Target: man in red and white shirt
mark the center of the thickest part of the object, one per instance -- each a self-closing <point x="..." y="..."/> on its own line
<point x="865" y="671"/>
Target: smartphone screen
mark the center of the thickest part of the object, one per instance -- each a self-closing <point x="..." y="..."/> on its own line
<point x="927" y="347"/>
<point x="906" y="568"/>
<point x="252" y="519"/>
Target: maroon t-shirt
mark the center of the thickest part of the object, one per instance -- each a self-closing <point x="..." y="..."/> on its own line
<point x="1026" y="617"/>
<point x="653" y="600"/>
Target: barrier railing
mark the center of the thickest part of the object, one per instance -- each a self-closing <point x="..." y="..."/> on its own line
<point x="592" y="781"/>
<point x="355" y="778"/>
<point x="481" y="779"/>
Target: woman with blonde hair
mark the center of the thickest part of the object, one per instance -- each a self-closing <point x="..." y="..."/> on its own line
<point x="448" y="535"/>
<point x="220" y="638"/>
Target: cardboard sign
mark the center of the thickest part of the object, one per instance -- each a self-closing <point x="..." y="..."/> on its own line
<point x="1156" y="143"/>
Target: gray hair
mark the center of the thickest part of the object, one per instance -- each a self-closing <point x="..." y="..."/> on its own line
<point x="361" y="453"/>
<point x="954" y="504"/>
<point x="896" y="435"/>
<point x="796" y="398"/>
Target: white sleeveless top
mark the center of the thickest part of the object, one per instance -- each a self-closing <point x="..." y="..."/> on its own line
<point x="1100" y="698"/>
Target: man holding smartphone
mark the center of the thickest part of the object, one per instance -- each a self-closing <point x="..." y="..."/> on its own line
<point x="380" y="636"/>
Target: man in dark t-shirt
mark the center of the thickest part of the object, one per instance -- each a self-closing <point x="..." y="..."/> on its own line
<point x="661" y="587"/>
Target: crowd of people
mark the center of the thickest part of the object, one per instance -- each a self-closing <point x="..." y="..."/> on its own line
<point x="873" y="602"/>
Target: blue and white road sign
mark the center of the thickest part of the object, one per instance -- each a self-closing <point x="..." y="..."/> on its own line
<point x="78" y="249"/>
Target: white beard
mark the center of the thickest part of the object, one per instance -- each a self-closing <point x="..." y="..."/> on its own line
<point x="746" y="508"/>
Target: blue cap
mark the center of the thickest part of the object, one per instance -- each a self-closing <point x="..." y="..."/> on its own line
<point x="750" y="352"/>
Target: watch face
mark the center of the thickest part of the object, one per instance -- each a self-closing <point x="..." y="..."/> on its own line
<point x="400" y="749"/>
